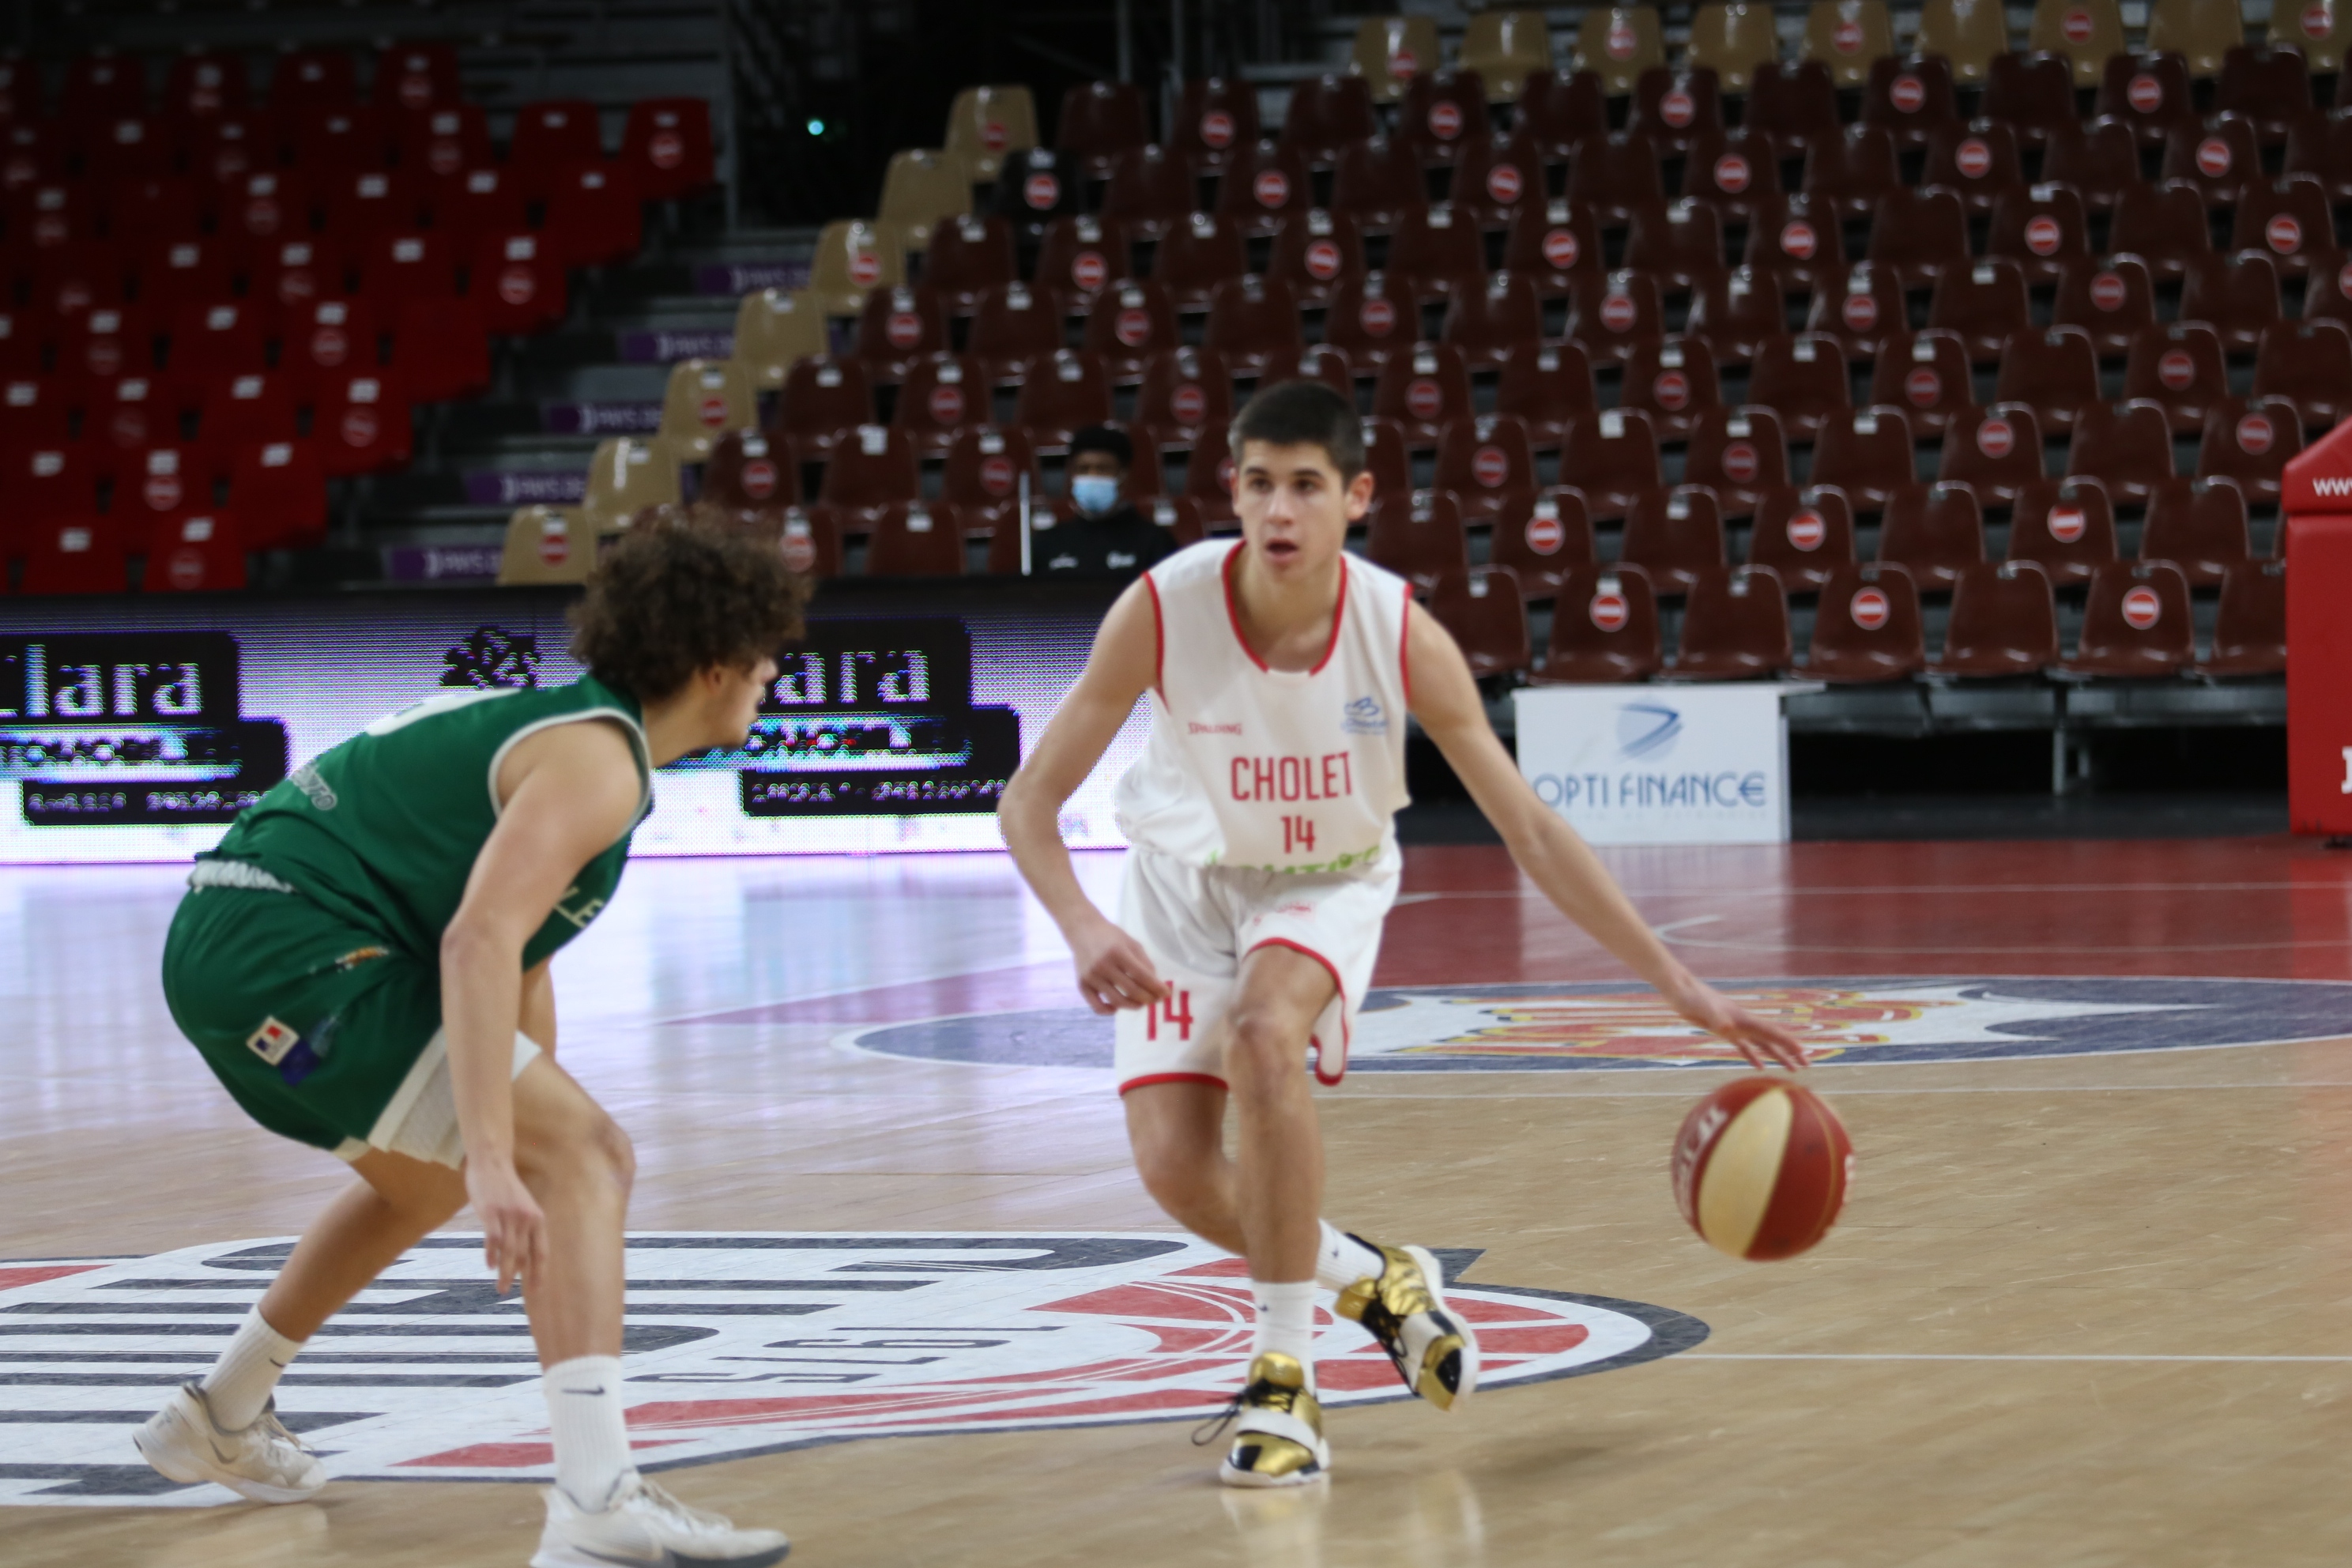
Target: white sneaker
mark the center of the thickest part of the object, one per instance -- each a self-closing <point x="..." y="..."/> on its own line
<point x="645" y="1525"/>
<point x="263" y="1461"/>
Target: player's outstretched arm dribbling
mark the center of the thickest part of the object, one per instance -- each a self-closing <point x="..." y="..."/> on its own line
<point x="1446" y="700"/>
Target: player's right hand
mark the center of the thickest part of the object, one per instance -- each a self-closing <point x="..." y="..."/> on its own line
<point x="514" y="1231"/>
<point x="1114" y="972"/>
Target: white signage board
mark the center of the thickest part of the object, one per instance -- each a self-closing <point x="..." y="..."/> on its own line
<point x="1660" y="765"/>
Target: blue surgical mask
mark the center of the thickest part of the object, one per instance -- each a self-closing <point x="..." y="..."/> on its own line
<point x="1096" y="494"/>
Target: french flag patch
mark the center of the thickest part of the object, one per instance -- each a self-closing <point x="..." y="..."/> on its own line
<point x="283" y="1047"/>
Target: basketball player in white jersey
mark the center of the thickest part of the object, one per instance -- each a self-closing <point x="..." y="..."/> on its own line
<point x="1264" y="859"/>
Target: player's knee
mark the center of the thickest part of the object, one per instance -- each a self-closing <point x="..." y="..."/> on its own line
<point x="1174" y="1177"/>
<point x="618" y="1152"/>
<point x="1262" y="1050"/>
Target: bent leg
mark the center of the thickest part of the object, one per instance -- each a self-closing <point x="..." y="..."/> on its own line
<point x="1178" y="1132"/>
<point x="579" y="1165"/>
<point x="1278" y="1188"/>
<point x="396" y="1203"/>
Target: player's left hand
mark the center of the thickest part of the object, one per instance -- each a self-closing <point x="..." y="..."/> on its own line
<point x="1764" y="1044"/>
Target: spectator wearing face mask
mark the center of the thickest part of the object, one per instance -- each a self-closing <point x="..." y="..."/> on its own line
<point x="1108" y="537"/>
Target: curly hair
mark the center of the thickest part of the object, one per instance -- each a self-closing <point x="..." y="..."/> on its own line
<point x="680" y="594"/>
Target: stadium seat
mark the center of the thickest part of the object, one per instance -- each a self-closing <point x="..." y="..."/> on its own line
<point x="416" y="75"/>
<point x="594" y="218"/>
<point x="1848" y="37"/>
<point x="70" y="278"/>
<point x="1612" y="456"/>
<point x="2067" y="527"/>
<point x="1209" y="481"/>
<point x="2237" y="295"/>
<point x="969" y="256"/>
<point x="1265" y="181"/>
<point x="1014" y="327"/>
<point x="2128" y="449"/>
<point x="2054" y="371"/>
<point x="1325" y="114"/>
<point x="1037" y="186"/>
<point x="1733" y="38"/>
<point x="1560" y="109"/>
<point x="360" y="424"/>
<point x="939" y="397"/>
<point x="2320" y="144"/>
<point x="1197" y="257"/>
<point x="1128" y="324"/>
<point x="1063" y="394"/>
<point x="1488" y="618"/>
<point x="131" y="412"/>
<point x="1617" y="43"/>
<point x="49" y="482"/>
<point x="306" y="78"/>
<point x="214" y="341"/>
<point x="2179" y="368"/>
<point x="279" y="491"/>
<point x="1678" y="242"/>
<point x="2164" y="226"/>
<point x="2249" y="443"/>
<point x="1424" y="391"/>
<point x="25" y="343"/>
<point x="1738" y="453"/>
<point x="983" y="478"/>
<point x="916" y="539"/>
<point x="1804" y="536"/>
<point x="1486" y="323"/>
<point x="2220" y="158"/>
<point x="1803" y="380"/>
<point x="1926" y="376"/>
<point x="819" y="399"/>
<point x="1977" y="159"/>
<point x="921" y="189"/>
<point x="2320" y="32"/>
<point x="898" y="327"/>
<point x="1100" y="120"/>
<point x="1441" y="109"/>
<point x="1390" y="51"/>
<point x="1735" y="312"/>
<point x="1375" y="183"/>
<point x="1317" y="362"/>
<point x="1795" y="103"/>
<point x="1553" y="243"/>
<point x="2085" y="32"/>
<point x="986" y="123"/>
<point x="552" y="133"/>
<point x="81" y="554"/>
<point x="441" y="351"/>
<point x="1437" y="251"/>
<point x="1213" y="116"/>
<point x="811" y="541"/>
<point x="2271" y="86"/>
<point x="167" y="478"/>
<point x="1673" y="107"/>
<point x="1386" y="456"/>
<point x="478" y="202"/>
<point x="196" y="553"/>
<point x="1737" y="172"/>
<point x="2148" y="93"/>
<point x="403" y="266"/>
<point x="2040" y="228"/>
<point x="1865" y="453"/>
<point x="1674" y="381"/>
<point x="1735" y="626"/>
<point x="129" y="147"/>
<point x="746" y="471"/>
<point x="2136" y="624"/>
<point x="1798" y="242"/>
<point x="1983" y="301"/>
<point x="2250" y="626"/>
<point x="2308" y="363"/>
<point x="229" y="146"/>
<point x="1499" y="175"/>
<point x="102" y="84"/>
<point x="1253" y="321"/>
<point x="2114" y="302"/>
<point x="547" y="544"/>
<point x="1613" y="316"/>
<point x="1612" y="174"/>
<point x="270" y="207"/>
<point x="102" y="342"/>
<point x="515" y="285"/>
<point x="706" y="399"/>
<point x="1867" y="311"/>
<point x="1418" y="535"/>
<point x="853" y="257"/>
<point x="361" y="210"/>
<point x="1922" y="236"/>
<point x="1502" y="48"/>
<point x="1313" y="252"/>
<point x="185" y="272"/>
<point x="1546" y="385"/>
<point x="1867" y="628"/>
<point x="1151" y="189"/>
<point x="667" y="148"/>
<point x="1912" y="100"/>
<point x="1184" y="391"/>
<point x="1968" y="34"/>
<point x="2287" y="220"/>
<point x="1543" y="541"/>
<point x="1672" y="535"/>
<point x="2202" y="32"/>
<point x="1489" y="464"/>
<point x="2199" y="525"/>
<point x="868" y="468"/>
<point x="2004" y="624"/>
<point x="1604" y="627"/>
<point x="2099" y="158"/>
<point x="774" y="331"/>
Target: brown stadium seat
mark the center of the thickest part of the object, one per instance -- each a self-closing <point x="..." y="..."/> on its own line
<point x="1867" y="628"/>
<point x="1317" y="362"/>
<point x="1984" y="301"/>
<point x="1968" y="34"/>
<point x="2004" y="623"/>
<point x="1911" y="100"/>
<point x="916" y="539"/>
<point x="898" y="327"/>
<point x="1214" y="115"/>
<point x="1209" y="481"/>
<point x="1614" y="174"/>
<point x="1064" y="394"/>
<point x="1865" y="311"/>
<point x="2237" y="295"/>
<point x="2128" y="449"/>
<point x="1184" y="390"/>
<point x="2113" y="302"/>
<point x="2164" y="226"/>
<point x="1612" y="456"/>
<point x="1977" y="160"/>
<point x="1673" y="107"/>
<point x="1553" y="243"/>
<point x="1604" y="629"/>
<point x="1489" y="464"/>
<point x="1853" y="170"/>
<point x="2087" y="32"/>
<point x="2041" y="228"/>
<point x="1733" y="38"/>
<point x="1486" y="323"/>
<point x="2054" y="370"/>
<point x="868" y="468"/>
<point x="1499" y="175"/>
<point x="2178" y="368"/>
<point x="1546" y="385"/>
<point x="1264" y="181"/>
<point x="1934" y="532"/>
<point x="969" y="256"/>
<point x="1804" y="535"/>
<point x="1439" y="110"/>
<point x="1803" y="380"/>
<point x="1735" y="626"/>
<point x="1387" y="457"/>
<point x="1419" y="535"/>
<point x="1865" y="453"/>
<point x="822" y="397"/>
<point x="2202" y="32"/>
<point x="2220" y="158"/>
<point x="1253" y="321"/>
<point x="2199" y="525"/>
<point x="1438" y="251"/>
<point x="2250" y="443"/>
<point x="983" y="478"/>
<point x="1926" y="375"/>
<point x="1327" y="113"/>
<point x="1794" y="102"/>
<point x="1100" y="120"/>
<point x="1672" y="535"/>
<point x="1798" y="241"/>
<point x="1675" y="242"/>
<point x="2136" y="624"/>
<point x="2286" y="220"/>
<point x="1618" y="43"/>
<point x="1195" y="255"/>
<point x="2149" y="93"/>
<point x="2309" y="364"/>
<point x="2270" y="87"/>
<point x="1994" y="451"/>
<point x="2032" y="93"/>
<point x="747" y="471"/>
<point x="2320" y="32"/>
<point x="1848" y="37"/>
<point x="1037" y="186"/>
<point x="1084" y="255"/>
<point x="2067" y="527"/>
<point x="1504" y="48"/>
<point x="940" y="398"/>
<point x="1920" y="234"/>
<point x="1015" y="326"/>
<point x="811" y="541"/>
<point x="1129" y="323"/>
<point x="1614" y="315"/>
<point x="2250" y="627"/>
<point x="1738" y="453"/>
<point x="1544" y="540"/>
<point x="1314" y="251"/>
<point x="2320" y="144"/>
<point x="1377" y="181"/>
<point x="1737" y="172"/>
<point x="2327" y="291"/>
<point x="1559" y="108"/>
<point x="1373" y="321"/>
<point x="1488" y="620"/>
<point x="2098" y="158"/>
<point x="1674" y="381"/>
<point x="1424" y="391"/>
<point x="1734" y="313"/>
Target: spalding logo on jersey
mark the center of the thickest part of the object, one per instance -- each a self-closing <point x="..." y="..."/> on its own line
<point x="735" y="1344"/>
<point x="1469" y="1028"/>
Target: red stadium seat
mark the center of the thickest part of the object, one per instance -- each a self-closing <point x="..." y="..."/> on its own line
<point x="325" y="139"/>
<point x="1672" y="380"/>
<point x="2066" y="527"/>
<point x="1612" y="457"/>
<point x="983" y="478"/>
<point x="1151" y="188"/>
<point x="1419" y="535"/>
<point x="1546" y="385"/>
<point x="2004" y="624"/>
<point x="2128" y="449"/>
<point x="1867" y="628"/>
<point x="667" y="147"/>
<point x="1738" y="453"/>
<point x="2178" y="368"/>
<point x="1611" y="316"/>
<point x="271" y="207"/>
<point x="1560" y="109"/>
<point x="133" y="147"/>
<point x="1386" y="457"/>
<point x="2148" y="93"/>
<point x="821" y="399"/>
<point x="1793" y="102"/>
<point x="332" y="337"/>
<point x="1865" y="311"/>
<point x="1489" y="464"/>
<point x="1425" y="391"/>
<point x="362" y="210"/>
<point x="81" y="554"/>
<point x="2270" y="87"/>
<point x="2136" y="624"/>
<point x="1325" y="114"/>
<point x="2113" y="303"/>
<point x="1735" y="312"/>
<point x="1798" y="242"/>
<point x="2041" y="228"/>
<point x="1100" y="120"/>
<point x="1253" y="321"/>
<point x="1264" y="183"/>
<point x="1674" y="109"/>
<point x="2221" y="158"/>
<point x="1127" y="325"/>
<point x="1314" y="252"/>
<point x="2309" y="364"/>
<point x="304" y="78"/>
<point x="279" y="491"/>
<point x="812" y="542"/>
<point x="517" y="287"/>
<point x="1437" y="250"/>
<point x="1217" y="114"/>
<point x="102" y="84"/>
<point x="898" y="327"/>
<point x="1977" y="160"/>
<point x="2054" y="370"/>
<point x="2164" y="226"/>
<point x="1318" y="361"/>
<point x="593" y="215"/>
<point x="1613" y="174"/>
<point x="1802" y="379"/>
<point x="941" y="396"/>
<point x="186" y="272"/>
<point x="1911" y="101"/>
<point x="1983" y="301"/>
<point x="416" y="75"/>
<point x="1487" y="619"/>
<point x="2099" y="158"/>
<point x="1498" y="176"/>
<point x="1604" y="627"/>
<point x="1736" y="172"/>
<point x="1678" y="243"/>
<point x="1803" y="535"/>
<point x="1184" y="391"/>
<point x="969" y="256"/>
<point x="1197" y="255"/>
<point x="2237" y="296"/>
<point x="2320" y="146"/>
<point x="74" y="278"/>
<point x="1920" y="234"/>
<point x="210" y="343"/>
<point x="1674" y="536"/>
<point x="442" y="142"/>
<point x="1209" y="481"/>
<point x="1487" y="323"/>
<point x="1865" y="453"/>
<point x="870" y="467"/>
<point x="132" y="411"/>
<point x="1014" y="327"/>
<point x="1995" y="451"/>
<point x="1926" y="376"/>
<point x="1735" y="626"/>
<point x="1441" y="111"/>
<point x="196" y="553"/>
<point x="1370" y="321"/>
<point x="1853" y="173"/>
<point x="916" y="539"/>
<point x="249" y="410"/>
<point x="360" y="424"/>
<point x="2249" y="443"/>
<point x="479" y="201"/>
<point x="24" y="343"/>
<point x="1544" y="540"/>
<point x="2250" y="626"/>
<point x="2199" y="525"/>
<point x="46" y="482"/>
<point x="2286" y="220"/>
<point x="1064" y="394"/>
<point x="2034" y="93"/>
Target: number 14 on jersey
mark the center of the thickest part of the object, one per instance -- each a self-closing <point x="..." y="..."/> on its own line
<point x="1298" y="833"/>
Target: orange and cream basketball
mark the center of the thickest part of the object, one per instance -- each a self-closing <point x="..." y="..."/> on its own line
<point x="1761" y="1167"/>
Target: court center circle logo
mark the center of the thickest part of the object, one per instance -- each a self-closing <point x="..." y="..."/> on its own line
<point x="736" y="1344"/>
<point x="1569" y="1027"/>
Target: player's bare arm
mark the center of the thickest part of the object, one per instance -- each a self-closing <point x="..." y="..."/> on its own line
<point x="1114" y="972"/>
<point x="1446" y="700"/>
<point x="569" y="792"/>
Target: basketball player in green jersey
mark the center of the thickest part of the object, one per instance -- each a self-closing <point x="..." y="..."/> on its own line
<point x="363" y="964"/>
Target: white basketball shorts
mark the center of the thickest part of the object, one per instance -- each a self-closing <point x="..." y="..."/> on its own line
<point x="1200" y="923"/>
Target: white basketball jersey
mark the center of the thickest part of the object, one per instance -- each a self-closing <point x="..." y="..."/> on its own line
<point x="1280" y="770"/>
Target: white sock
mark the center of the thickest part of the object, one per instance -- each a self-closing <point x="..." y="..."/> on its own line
<point x="241" y="1381"/>
<point x="1285" y="1322"/>
<point x="1341" y="1259"/>
<point x="591" y="1438"/>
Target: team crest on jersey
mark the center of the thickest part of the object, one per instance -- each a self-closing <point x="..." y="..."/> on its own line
<point x="736" y="1344"/>
<point x="1472" y="1028"/>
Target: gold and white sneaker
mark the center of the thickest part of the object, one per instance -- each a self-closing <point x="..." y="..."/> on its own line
<point x="1280" y="1441"/>
<point x="1404" y="1310"/>
<point x="642" y="1526"/>
<point x="264" y="1461"/>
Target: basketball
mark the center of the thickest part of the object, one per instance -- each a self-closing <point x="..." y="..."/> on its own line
<point x="1761" y="1167"/>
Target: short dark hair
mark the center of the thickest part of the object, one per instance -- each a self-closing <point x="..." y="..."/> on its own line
<point x="1302" y="414"/>
<point x="678" y="595"/>
<point x="1105" y="438"/>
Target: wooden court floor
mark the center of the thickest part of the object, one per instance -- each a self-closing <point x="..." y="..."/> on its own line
<point x="2089" y="1305"/>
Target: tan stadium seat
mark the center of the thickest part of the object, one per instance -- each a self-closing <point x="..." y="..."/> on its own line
<point x="1846" y="36"/>
<point x="1731" y="38"/>
<point x="988" y="122"/>
<point x="855" y="256"/>
<point x="2085" y="31"/>
<point x="1391" y="50"/>
<point x="547" y="544"/>
<point x="2321" y="29"/>
<point x="1501" y="48"/>
<point x="706" y="399"/>
<point x="1970" y="34"/>
<point x="2199" y="31"/>
<point x="922" y="187"/>
<point x="773" y="328"/>
<point x="1618" y="43"/>
<point x="629" y="472"/>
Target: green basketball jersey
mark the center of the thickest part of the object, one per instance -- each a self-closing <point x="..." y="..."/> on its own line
<point x="383" y="829"/>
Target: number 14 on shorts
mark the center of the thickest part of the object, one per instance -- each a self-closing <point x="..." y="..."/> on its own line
<point x="1175" y="1010"/>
